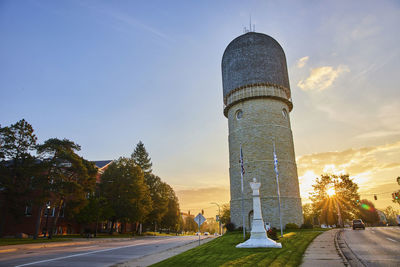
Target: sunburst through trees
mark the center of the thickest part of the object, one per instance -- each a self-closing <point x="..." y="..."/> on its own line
<point x="335" y="199"/>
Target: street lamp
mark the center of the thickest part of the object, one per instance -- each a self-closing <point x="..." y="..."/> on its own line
<point x="47" y="217"/>
<point x="219" y="216"/>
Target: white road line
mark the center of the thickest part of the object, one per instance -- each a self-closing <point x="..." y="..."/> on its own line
<point x="391" y="239"/>
<point x="77" y="255"/>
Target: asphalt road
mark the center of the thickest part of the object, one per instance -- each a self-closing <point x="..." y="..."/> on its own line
<point x="97" y="254"/>
<point x="374" y="246"/>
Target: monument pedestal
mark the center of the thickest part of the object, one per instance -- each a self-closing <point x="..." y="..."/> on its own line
<point x="258" y="235"/>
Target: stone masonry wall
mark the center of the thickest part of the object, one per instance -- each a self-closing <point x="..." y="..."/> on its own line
<point x="263" y="121"/>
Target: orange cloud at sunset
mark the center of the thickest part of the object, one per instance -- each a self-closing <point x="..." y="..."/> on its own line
<point x="374" y="169"/>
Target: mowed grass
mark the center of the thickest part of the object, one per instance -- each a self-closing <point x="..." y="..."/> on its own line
<point x="222" y="252"/>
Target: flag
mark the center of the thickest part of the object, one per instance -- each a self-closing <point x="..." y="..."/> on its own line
<point x="241" y="160"/>
<point x="241" y="166"/>
<point x="275" y="162"/>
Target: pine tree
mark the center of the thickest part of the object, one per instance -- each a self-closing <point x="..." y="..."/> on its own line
<point x="141" y="158"/>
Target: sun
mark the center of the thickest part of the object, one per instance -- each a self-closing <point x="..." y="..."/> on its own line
<point x="330" y="191"/>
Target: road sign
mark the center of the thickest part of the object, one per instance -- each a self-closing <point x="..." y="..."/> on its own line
<point x="199" y="219"/>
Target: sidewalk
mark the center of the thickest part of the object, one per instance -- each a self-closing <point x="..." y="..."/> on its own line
<point x="73" y="242"/>
<point x="154" y="258"/>
<point x="323" y="251"/>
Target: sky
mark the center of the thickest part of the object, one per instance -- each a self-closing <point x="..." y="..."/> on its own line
<point x="107" y="74"/>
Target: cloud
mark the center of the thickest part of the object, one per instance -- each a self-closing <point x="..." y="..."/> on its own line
<point x="366" y="165"/>
<point x="197" y="199"/>
<point x="379" y="133"/>
<point x="321" y="78"/>
<point x="387" y="122"/>
<point x="124" y="19"/>
<point x="302" y="62"/>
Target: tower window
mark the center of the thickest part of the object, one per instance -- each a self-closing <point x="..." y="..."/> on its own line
<point x="284" y="113"/>
<point x="239" y="114"/>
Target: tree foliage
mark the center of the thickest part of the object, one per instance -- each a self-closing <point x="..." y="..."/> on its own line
<point x="159" y="193"/>
<point x="171" y="218"/>
<point x="189" y="224"/>
<point x="70" y="178"/>
<point x="141" y="158"/>
<point x="391" y="215"/>
<point x="126" y="194"/>
<point x="225" y="214"/>
<point x="367" y="212"/>
<point x="308" y="213"/>
<point x="345" y="198"/>
<point x="17" y="168"/>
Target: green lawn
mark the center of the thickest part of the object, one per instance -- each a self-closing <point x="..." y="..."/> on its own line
<point x="222" y="252"/>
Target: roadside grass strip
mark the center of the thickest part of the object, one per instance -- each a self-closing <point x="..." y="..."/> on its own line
<point x="222" y="252"/>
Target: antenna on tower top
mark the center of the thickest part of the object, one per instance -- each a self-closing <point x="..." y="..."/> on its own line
<point x="250" y="22"/>
<point x="252" y="27"/>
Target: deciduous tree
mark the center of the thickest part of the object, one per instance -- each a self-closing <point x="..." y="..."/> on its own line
<point x="225" y="214"/>
<point x="70" y="177"/>
<point x="391" y="215"/>
<point x="159" y="197"/>
<point x="123" y="187"/>
<point x="345" y="198"/>
<point x="367" y="212"/>
<point x="17" y="168"/>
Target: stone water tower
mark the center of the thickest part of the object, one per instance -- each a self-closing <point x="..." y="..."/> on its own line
<point x="257" y="102"/>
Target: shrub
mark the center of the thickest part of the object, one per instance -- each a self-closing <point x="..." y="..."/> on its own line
<point x="306" y="225"/>
<point x="291" y="226"/>
<point x="272" y="233"/>
<point x="230" y="226"/>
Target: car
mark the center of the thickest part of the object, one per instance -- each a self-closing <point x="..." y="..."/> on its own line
<point x="358" y="224"/>
<point x="198" y="233"/>
<point x="206" y="233"/>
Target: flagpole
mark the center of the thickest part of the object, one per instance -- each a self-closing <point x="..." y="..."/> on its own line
<point x="241" y="176"/>
<point x="277" y="188"/>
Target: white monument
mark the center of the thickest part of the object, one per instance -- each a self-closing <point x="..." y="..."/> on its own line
<point x="258" y="235"/>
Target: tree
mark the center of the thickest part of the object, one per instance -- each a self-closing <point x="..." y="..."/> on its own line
<point x="141" y="158"/>
<point x="70" y="178"/>
<point x="17" y="168"/>
<point x="391" y="215"/>
<point x="308" y="214"/>
<point x="159" y="197"/>
<point x="126" y="194"/>
<point x="189" y="224"/>
<point x="17" y="141"/>
<point x="172" y="217"/>
<point x="367" y="212"/>
<point x="225" y="214"/>
<point x="345" y="198"/>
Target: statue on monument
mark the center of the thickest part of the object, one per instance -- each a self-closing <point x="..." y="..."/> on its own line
<point x="258" y="235"/>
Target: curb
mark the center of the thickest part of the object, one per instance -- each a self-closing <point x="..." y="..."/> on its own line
<point x="339" y="251"/>
<point x="347" y="253"/>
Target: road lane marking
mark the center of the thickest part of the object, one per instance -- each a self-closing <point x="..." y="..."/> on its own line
<point x="77" y="255"/>
<point x="96" y="251"/>
<point x="391" y="239"/>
